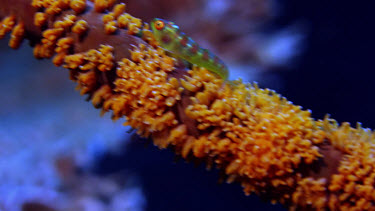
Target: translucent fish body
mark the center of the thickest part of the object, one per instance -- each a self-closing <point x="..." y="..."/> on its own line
<point x="172" y="39"/>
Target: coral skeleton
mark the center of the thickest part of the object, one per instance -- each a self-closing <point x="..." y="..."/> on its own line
<point x="255" y="136"/>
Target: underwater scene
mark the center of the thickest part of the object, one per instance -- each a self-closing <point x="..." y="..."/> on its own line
<point x="157" y="105"/>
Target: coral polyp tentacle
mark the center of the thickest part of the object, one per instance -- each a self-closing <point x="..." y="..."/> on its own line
<point x="255" y="136"/>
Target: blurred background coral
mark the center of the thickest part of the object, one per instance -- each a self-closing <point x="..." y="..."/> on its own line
<point x="58" y="153"/>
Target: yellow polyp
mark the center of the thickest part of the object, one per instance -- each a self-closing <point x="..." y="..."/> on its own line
<point x="74" y="61"/>
<point x="152" y="91"/>
<point x="356" y="168"/>
<point x="310" y="192"/>
<point x="58" y="24"/>
<point x="100" y="95"/>
<point x="6" y="25"/>
<point x="119" y="9"/>
<point x="47" y="47"/>
<point x="148" y="36"/>
<point x="53" y="10"/>
<point x="259" y="131"/>
<point x="58" y="60"/>
<point x="123" y="20"/>
<point x="45" y="50"/>
<point x="37" y="51"/>
<point x="189" y="86"/>
<point x="203" y="98"/>
<point x="47" y="3"/>
<point x="177" y="133"/>
<point x="102" y="5"/>
<point x="255" y="135"/>
<point x="78" y="6"/>
<point x="170" y="101"/>
<point x="174" y="82"/>
<point x="133" y="29"/>
<point x="232" y="167"/>
<point x="55" y="7"/>
<point x="40" y="19"/>
<point x="64" y="44"/>
<point x="86" y="81"/>
<point x="66" y="23"/>
<point x="80" y="27"/>
<point x="187" y="147"/>
<point x="17" y="36"/>
<point x="37" y="3"/>
<point x="110" y="27"/>
<point x="108" y="17"/>
<point x="102" y="59"/>
<point x="201" y="147"/>
<point x="131" y="23"/>
<point x="52" y="34"/>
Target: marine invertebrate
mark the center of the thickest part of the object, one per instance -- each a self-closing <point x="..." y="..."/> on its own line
<point x="254" y="135"/>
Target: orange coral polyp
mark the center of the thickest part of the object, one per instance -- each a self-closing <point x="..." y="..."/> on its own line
<point x="260" y="137"/>
<point x="74" y="61"/>
<point x="80" y="27"/>
<point x="119" y="9"/>
<point x="123" y="20"/>
<point x="102" y="5"/>
<point x="66" y="23"/>
<point x="101" y="59"/>
<point x="17" y="36"/>
<point x="37" y="3"/>
<point x="131" y="23"/>
<point x="353" y="186"/>
<point x="254" y="135"/>
<point x="110" y="27"/>
<point x="40" y="19"/>
<point x="78" y="6"/>
<point x="108" y="17"/>
<point x="151" y="89"/>
<point x="64" y="44"/>
<point x="86" y="81"/>
<point x="6" y="25"/>
<point x="54" y="7"/>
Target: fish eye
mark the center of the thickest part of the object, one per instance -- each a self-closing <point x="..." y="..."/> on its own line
<point x="159" y="25"/>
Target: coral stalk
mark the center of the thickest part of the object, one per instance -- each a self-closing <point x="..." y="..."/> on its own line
<point x="255" y="136"/>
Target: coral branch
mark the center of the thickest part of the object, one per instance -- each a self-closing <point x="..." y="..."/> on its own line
<point x="255" y="136"/>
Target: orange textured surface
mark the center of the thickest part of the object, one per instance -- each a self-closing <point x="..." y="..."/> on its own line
<point x="254" y="135"/>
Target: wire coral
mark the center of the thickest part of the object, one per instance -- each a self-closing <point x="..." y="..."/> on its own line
<point x="255" y="136"/>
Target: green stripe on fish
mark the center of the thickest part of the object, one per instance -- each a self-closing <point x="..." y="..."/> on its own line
<point x="178" y="43"/>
